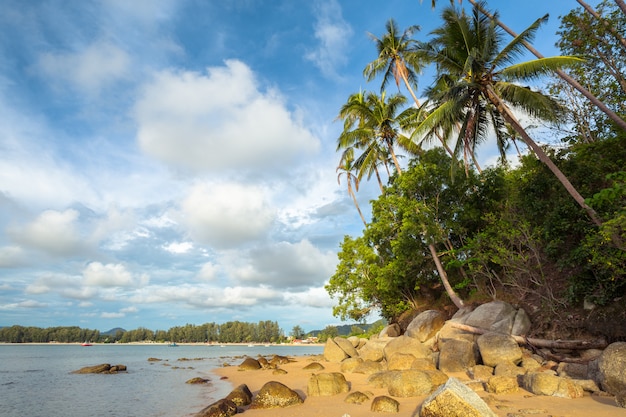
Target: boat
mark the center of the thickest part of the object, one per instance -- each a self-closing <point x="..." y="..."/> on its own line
<point x="86" y="344"/>
<point x="173" y="344"/>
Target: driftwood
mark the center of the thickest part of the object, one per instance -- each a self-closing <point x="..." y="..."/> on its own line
<point x="540" y="343"/>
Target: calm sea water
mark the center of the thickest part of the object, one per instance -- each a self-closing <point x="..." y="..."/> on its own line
<point x="36" y="380"/>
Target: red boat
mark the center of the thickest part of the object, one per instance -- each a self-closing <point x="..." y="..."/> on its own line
<point x="86" y="344"/>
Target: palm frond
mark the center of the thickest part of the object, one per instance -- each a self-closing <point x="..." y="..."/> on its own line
<point x="530" y="70"/>
<point x="516" y="48"/>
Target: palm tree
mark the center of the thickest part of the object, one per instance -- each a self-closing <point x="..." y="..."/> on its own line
<point x="481" y="83"/>
<point x="346" y="168"/>
<point x="398" y="58"/>
<point x="371" y="122"/>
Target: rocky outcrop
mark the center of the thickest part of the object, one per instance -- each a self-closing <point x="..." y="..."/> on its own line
<point x="314" y="366"/>
<point x="410" y="383"/>
<point x="455" y="399"/>
<point x="221" y="408"/>
<point x="250" y="364"/>
<point x="333" y="352"/>
<point x="407" y="345"/>
<point x="373" y="349"/>
<point x="104" y="368"/>
<point x="275" y="395"/>
<point x="496" y="348"/>
<point x="327" y="384"/>
<point x="541" y="383"/>
<point x="197" y="380"/>
<point x="501" y="384"/>
<point x="426" y="325"/>
<point x="392" y="330"/>
<point x="346" y="346"/>
<point x="456" y="355"/>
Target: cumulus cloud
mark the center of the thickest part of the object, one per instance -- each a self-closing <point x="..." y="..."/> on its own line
<point x="178" y="247"/>
<point x="11" y="256"/>
<point x="219" y="120"/>
<point x="333" y="34"/>
<point x="53" y="232"/>
<point x="98" y="65"/>
<point x="285" y="265"/>
<point x="226" y="214"/>
<point x="111" y="275"/>
<point x="208" y="272"/>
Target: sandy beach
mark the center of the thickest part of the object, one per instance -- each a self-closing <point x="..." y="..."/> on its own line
<point x="509" y="405"/>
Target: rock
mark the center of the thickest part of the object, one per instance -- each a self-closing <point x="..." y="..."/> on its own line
<point x="454" y="399"/>
<point x="96" y="369"/>
<point x="530" y="364"/>
<point x="334" y="353"/>
<point x="373" y="349"/>
<point x="350" y="364"/>
<point x="448" y="332"/>
<point x="264" y="363"/>
<point x="480" y="372"/>
<point x="423" y="364"/>
<point x="249" y="364"/>
<point x="381" y="379"/>
<point x="405" y="344"/>
<point x="572" y="370"/>
<point x="197" y="380"/>
<point x="437" y="377"/>
<point x="346" y="346"/>
<point x="521" y="323"/>
<point x="496" y="348"/>
<point x="314" y="366"/>
<point x="368" y="367"/>
<point x="327" y="384"/>
<point x="425" y="325"/>
<point x="611" y="367"/>
<point x="356" y="397"/>
<point x="508" y="369"/>
<point x="496" y="316"/>
<point x="500" y="384"/>
<point x="384" y="404"/>
<point x="275" y="395"/>
<point x="620" y="399"/>
<point x="391" y="330"/>
<point x="240" y="396"/>
<point x="278" y="360"/>
<point x="356" y="341"/>
<point x="400" y="361"/>
<point x="456" y="355"/>
<point x="588" y="385"/>
<point x="118" y="368"/>
<point x="409" y="383"/>
<point x="221" y="408"/>
<point x="545" y="384"/>
<point x="279" y="371"/>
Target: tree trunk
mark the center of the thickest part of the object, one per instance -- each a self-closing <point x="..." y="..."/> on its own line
<point x="593" y="99"/>
<point x="444" y="278"/>
<point x="621" y="5"/>
<point x="543" y="157"/>
<point x="606" y="24"/>
<point x="541" y="343"/>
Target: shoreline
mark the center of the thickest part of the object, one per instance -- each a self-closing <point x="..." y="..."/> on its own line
<point x="503" y="405"/>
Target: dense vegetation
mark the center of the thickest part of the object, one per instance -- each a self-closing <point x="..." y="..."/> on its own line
<point x="548" y="233"/>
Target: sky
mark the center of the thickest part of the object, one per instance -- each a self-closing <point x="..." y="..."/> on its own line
<point x="165" y="162"/>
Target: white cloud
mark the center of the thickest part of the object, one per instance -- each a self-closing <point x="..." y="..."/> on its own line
<point x="11" y="256"/>
<point x="178" y="247"/>
<point x="218" y="121"/>
<point x="226" y="214"/>
<point x="111" y="275"/>
<point x="208" y="272"/>
<point x="284" y="265"/>
<point x="24" y="304"/>
<point x="98" y="65"/>
<point x="54" y="232"/>
<point x="333" y="34"/>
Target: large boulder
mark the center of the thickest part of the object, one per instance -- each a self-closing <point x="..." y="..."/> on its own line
<point x="407" y="345"/>
<point x="333" y="352"/>
<point x="250" y="364"/>
<point x="611" y="368"/>
<point x="384" y="404"/>
<point x="346" y="346"/>
<point x="541" y="383"/>
<point x="455" y="399"/>
<point x="425" y="325"/>
<point x="496" y="348"/>
<point x="501" y="384"/>
<point x="350" y="364"/>
<point x="373" y="349"/>
<point x="368" y="367"/>
<point x="240" y="396"/>
<point x="456" y="355"/>
<point x="221" y="408"/>
<point x="409" y="383"/>
<point x="496" y="316"/>
<point x="356" y="397"/>
<point x="327" y="384"/>
<point x="275" y="395"/>
<point x="400" y="361"/>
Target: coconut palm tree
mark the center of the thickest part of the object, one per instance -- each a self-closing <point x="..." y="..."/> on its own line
<point x="372" y="122"/>
<point x="481" y="83"/>
<point x="346" y="168"/>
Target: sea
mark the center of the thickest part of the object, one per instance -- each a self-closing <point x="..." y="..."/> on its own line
<point x="36" y="380"/>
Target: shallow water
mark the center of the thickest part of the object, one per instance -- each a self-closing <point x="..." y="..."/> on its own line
<point x="36" y="380"/>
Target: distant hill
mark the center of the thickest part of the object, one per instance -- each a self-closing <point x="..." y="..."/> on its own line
<point x="112" y="332"/>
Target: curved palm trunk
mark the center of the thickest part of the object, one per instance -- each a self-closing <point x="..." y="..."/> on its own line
<point x="543" y="157"/>
<point x="356" y="204"/>
<point x="444" y="278"/>
<point x="593" y="99"/>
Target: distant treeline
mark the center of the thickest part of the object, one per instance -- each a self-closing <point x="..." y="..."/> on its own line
<point x="230" y="332"/>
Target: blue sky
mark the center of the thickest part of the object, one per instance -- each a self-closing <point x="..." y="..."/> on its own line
<point x="165" y="162"/>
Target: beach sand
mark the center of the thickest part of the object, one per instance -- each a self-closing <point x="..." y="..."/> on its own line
<point x="509" y="405"/>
